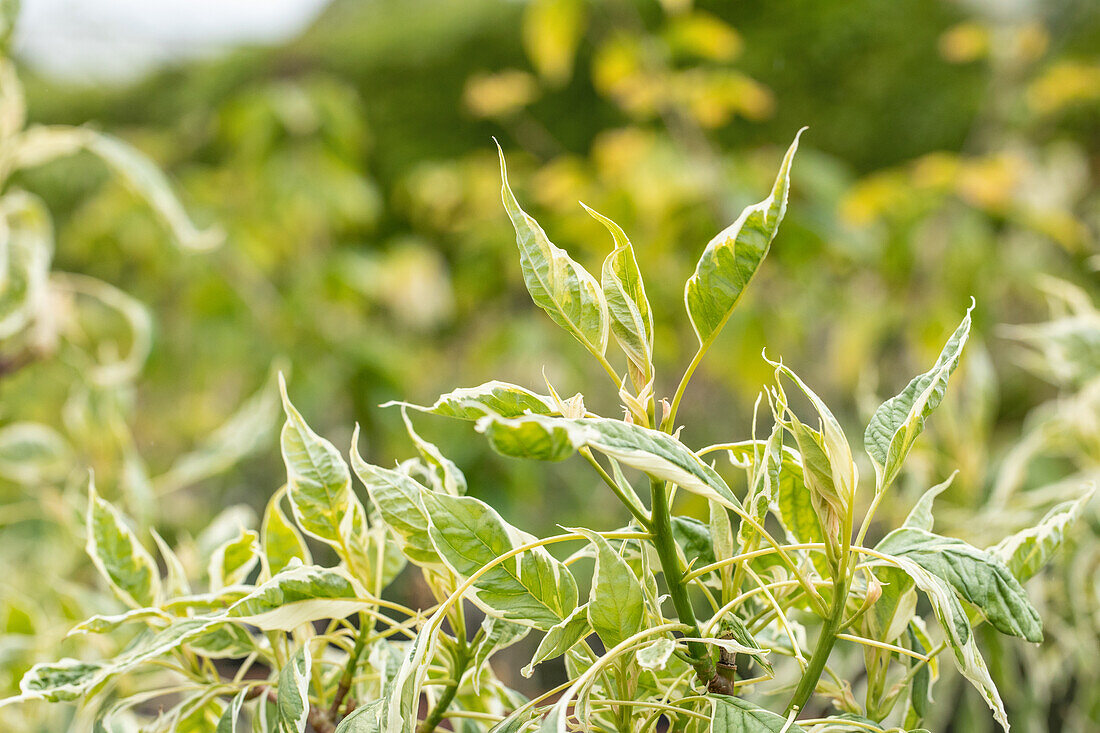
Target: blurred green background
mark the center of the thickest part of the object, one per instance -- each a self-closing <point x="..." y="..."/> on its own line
<point x="953" y="152"/>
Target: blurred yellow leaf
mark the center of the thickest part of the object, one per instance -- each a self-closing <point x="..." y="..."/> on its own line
<point x="964" y="43"/>
<point x="871" y="197"/>
<point x="703" y="35"/>
<point x="617" y="60"/>
<point x="552" y="29"/>
<point x="1064" y="84"/>
<point x="500" y="94"/>
<point x="1031" y="41"/>
<point x="989" y="183"/>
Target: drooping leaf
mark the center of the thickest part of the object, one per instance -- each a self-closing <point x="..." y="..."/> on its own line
<point x="898" y="421"/>
<point x="734" y="715"/>
<point x="491" y="398"/>
<point x="1026" y="552"/>
<point x="120" y="558"/>
<point x="732" y="627"/>
<point x="733" y="257"/>
<point x="292" y="696"/>
<point x="958" y="633"/>
<point x="299" y="594"/>
<point x="150" y="183"/>
<point x="558" y="285"/>
<point x="978" y="576"/>
<point x="616" y="603"/>
<point x="318" y="480"/>
<point x="628" y="306"/>
<point x="655" y="453"/>
<point x="525" y="437"/>
<point x="531" y="588"/>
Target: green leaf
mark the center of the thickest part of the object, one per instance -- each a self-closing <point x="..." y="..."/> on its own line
<point x="616" y="603"/>
<point x="1026" y="552"/>
<point x="656" y="655"/>
<point x="33" y="453"/>
<point x="921" y="515"/>
<point x="978" y="576"/>
<point x="364" y="719"/>
<point x="657" y="454"/>
<point x="541" y="440"/>
<point x="175" y="583"/>
<point x="397" y="499"/>
<point x="70" y="679"/>
<point x="232" y="714"/>
<point x="282" y="542"/>
<point x="233" y="561"/>
<point x="693" y="539"/>
<point x="734" y="715"/>
<point x="561" y="637"/>
<point x="898" y="421"/>
<point x="627" y="304"/>
<point x="66" y="679"/>
<point x="491" y="398"/>
<point x="721" y="531"/>
<point x="299" y="594"/>
<point x="733" y="627"/>
<point x="920" y="692"/>
<point x="28" y="237"/>
<point x="733" y="257"/>
<point x="497" y="634"/>
<point x="531" y="588"/>
<point x="446" y="474"/>
<point x="318" y="480"/>
<point x="292" y="697"/>
<point x="829" y="469"/>
<point x="558" y="285"/>
<point x="120" y="558"/>
<point x="889" y="616"/>
<point x="764" y="485"/>
<point x="224" y="641"/>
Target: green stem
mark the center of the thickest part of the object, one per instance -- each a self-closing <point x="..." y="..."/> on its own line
<point x="670" y="419"/>
<point x="631" y="502"/>
<point x="701" y="659"/>
<point x="349" y="671"/>
<point x="825" y="642"/>
<point x="435" y="717"/>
